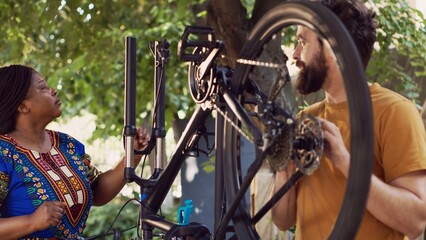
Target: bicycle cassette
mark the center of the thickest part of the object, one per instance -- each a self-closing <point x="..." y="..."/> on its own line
<point x="308" y="145"/>
<point x="280" y="153"/>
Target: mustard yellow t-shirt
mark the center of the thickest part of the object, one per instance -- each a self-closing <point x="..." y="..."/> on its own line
<point x="399" y="148"/>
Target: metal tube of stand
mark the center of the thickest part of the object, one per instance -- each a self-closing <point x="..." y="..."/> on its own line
<point x="129" y="131"/>
<point x="161" y="54"/>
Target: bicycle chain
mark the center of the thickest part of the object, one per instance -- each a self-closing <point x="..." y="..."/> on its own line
<point x="253" y="62"/>
<point x="247" y="62"/>
<point x="234" y="125"/>
<point x="258" y="63"/>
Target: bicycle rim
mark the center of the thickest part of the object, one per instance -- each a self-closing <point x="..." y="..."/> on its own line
<point x="320" y="19"/>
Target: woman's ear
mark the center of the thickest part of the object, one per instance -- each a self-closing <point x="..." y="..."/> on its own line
<point x="23" y="107"/>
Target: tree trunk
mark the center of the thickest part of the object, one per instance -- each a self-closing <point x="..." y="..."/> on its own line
<point x="228" y="19"/>
<point x="261" y="7"/>
<point x="231" y="23"/>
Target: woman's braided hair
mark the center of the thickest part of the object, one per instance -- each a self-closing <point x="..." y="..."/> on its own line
<point x="15" y="81"/>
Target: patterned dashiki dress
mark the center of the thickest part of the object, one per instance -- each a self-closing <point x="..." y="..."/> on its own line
<point x="28" y="178"/>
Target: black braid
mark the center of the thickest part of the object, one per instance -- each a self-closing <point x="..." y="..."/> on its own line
<point x="15" y="81"/>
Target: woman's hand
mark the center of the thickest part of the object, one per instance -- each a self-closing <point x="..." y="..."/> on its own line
<point x="110" y="183"/>
<point x="141" y="139"/>
<point x="48" y="214"/>
<point x="140" y="143"/>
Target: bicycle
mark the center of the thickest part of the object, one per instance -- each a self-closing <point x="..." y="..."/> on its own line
<point x="247" y="112"/>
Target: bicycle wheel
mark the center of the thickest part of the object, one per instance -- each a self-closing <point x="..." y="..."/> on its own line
<point x="256" y="80"/>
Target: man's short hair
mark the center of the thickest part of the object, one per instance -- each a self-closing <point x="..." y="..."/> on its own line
<point x="360" y="23"/>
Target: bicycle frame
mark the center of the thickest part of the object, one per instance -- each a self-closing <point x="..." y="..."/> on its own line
<point x="221" y="98"/>
<point x="225" y="102"/>
<point x="155" y="189"/>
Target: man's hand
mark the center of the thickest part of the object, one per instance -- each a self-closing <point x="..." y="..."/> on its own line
<point x="334" y="147"/>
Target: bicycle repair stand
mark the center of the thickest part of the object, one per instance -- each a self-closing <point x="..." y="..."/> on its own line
<point x="148" y="215"/>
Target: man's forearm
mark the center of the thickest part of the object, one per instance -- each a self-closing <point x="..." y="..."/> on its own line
<point x="284" y="211"/>
<point x="396" y="206"/>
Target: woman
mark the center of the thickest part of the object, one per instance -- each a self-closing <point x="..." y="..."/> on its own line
<point x="47" y="184"/>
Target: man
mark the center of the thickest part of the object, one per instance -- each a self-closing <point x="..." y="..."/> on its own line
<point x="396" y="206"/>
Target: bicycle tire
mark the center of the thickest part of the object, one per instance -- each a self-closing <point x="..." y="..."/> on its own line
<point x="326" y="24"/>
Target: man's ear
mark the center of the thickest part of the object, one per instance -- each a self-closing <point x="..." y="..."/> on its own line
<point x="23" y="107"/>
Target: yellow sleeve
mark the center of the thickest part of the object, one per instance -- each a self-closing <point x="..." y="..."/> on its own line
<point x="402" y="140"/>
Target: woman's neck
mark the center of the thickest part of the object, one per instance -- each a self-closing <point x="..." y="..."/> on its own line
<point x="32" y="138"/>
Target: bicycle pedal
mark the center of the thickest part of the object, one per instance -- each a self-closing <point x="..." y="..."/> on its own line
<point x="192" y="38"/>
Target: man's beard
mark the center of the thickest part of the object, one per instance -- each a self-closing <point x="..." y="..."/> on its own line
<point x="312" y="77"/>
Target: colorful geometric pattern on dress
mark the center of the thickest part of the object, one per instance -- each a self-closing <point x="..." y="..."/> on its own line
<point x="4" y="185"/>
<point x="58" y="175"/>
<point x="64" y="181"/>
<point x="92" y="173"/>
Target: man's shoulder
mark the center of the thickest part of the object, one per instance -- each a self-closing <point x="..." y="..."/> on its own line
<point x="384" y="99"/>
<point x="314" y="108"/>
<point x="394" y="112"/>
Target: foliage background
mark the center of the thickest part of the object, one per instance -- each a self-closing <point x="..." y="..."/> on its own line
<point x="400" y="56"/>
<point x="79" y="47"/>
